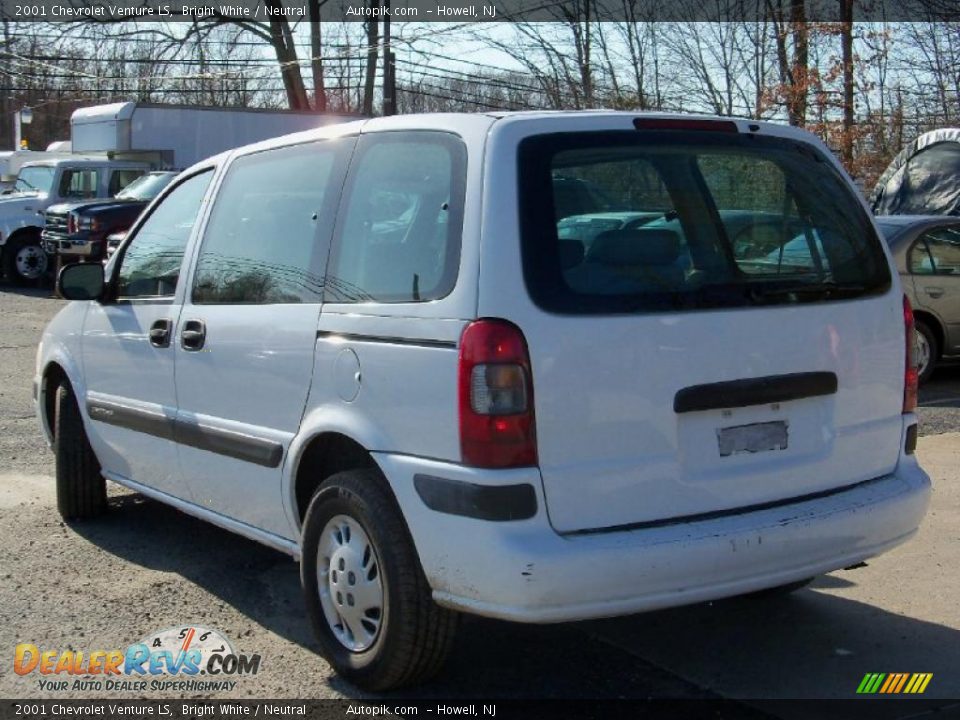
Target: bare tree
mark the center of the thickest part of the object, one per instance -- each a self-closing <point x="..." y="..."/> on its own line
<point x="846" y="44"/>
<point x="792" y="34"/>
<point x="316" y="55"/>
<point x="721" y="63"/>
<point x="373" y="38"/>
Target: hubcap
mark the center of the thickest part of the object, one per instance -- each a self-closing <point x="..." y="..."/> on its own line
<point x="348" y="577"/>
<point x="923" y="353"/>
<point x="31" y="262"/>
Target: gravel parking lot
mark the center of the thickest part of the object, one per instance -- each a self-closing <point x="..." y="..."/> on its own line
<point x="144" y="567"/>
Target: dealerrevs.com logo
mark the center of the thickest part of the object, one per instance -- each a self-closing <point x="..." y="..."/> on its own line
<point x="187" y="659"/>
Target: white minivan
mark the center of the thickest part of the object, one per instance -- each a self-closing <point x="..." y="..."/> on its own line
<point x="369" y="347"/>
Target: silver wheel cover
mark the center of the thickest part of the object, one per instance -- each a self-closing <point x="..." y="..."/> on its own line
<point x="349" y="583"/>
<point x="923" y="353"/>
<point x="31" y="262"/>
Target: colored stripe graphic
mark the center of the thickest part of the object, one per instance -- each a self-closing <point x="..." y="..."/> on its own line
<point x="894" y="683"/>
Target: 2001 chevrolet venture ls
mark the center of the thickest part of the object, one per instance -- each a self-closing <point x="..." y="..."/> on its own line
<point x="381" y="347"/>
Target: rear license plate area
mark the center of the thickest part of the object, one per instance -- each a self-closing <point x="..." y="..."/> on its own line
<point x="752" y="438"/>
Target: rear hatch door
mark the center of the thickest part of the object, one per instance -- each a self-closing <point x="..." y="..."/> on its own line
<point x="744" y="348"/>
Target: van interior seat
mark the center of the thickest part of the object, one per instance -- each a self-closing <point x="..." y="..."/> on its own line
<point x="571" y="252"/>
<point x="650" y="256"/>
<point x="636" y="247"/>
<point x="629" y="261"/>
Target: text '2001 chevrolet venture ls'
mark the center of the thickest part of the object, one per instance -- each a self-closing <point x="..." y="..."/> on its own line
<point x="370" y="346"/>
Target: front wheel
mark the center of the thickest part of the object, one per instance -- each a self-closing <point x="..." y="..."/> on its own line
<point x="366" y="595"/>
<point x="81" y="489"/>
<point x="24" y="260"/>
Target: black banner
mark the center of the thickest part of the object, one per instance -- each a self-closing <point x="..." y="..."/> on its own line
<point x="473" y="10"/>
<point x="393" y="708"/>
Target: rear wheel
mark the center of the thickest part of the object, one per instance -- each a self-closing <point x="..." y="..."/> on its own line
<point x="928" y="349"/>
<point x="366" y="594"/>
<point x="81" y="489"/>
<point x="24" y="260"/>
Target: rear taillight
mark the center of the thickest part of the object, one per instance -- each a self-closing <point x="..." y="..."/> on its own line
<point x="71" y="224"/>
<point x="497" y="426"/>
<point x="911" y="378"/>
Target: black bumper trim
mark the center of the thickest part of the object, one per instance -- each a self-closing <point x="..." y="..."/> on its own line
<point x="498" y="503"/>
<point x="732" y="512"/>
<point x="910" y="443"/>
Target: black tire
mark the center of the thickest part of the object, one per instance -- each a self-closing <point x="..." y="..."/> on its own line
<point x="81" y="489"/>
<point x="931" y="338"/>
<point x="10" y="251"/>
<point x="780" y="590"/>
<point x="415" y="635"/>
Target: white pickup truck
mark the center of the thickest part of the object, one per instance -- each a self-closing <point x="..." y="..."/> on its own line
<point x="116" y="143"/>
<point x="42" y="184"/>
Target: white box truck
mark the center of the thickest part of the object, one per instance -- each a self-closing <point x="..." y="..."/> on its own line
<point x="113" y="145"/>
<point x="12" y="160"/>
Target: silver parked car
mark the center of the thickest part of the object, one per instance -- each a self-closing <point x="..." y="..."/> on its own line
<point x="926" y="249"/>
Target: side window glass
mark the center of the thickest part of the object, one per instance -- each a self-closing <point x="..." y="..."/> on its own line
<point x="944" y="245"/>
<point x="920" y="261"/>
<point x="150" y="265"/>
<point x="400" y="223"/>
<point x="261" y="243"/>
<point x="121" y="178"/>
<point x="79" y="183"/>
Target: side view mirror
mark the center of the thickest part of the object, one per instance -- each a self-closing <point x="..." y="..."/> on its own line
<point x="81" y="281"/>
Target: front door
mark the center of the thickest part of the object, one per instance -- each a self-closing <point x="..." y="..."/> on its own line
<point x="128" y="347"/>
<point x="935" y="265"/>
<point x="246" y="337"/>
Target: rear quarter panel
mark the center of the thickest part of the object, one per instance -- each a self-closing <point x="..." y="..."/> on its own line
<point x="385" y="374"/>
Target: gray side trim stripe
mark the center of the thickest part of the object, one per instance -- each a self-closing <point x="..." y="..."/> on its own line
<point x="357" y="337"/>
<point x="131" y="418"/>
<point x="248" y="448"/>
<point x="259" y="451"/>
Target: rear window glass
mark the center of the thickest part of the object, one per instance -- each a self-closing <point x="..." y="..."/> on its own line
<point x="658" y="221"/>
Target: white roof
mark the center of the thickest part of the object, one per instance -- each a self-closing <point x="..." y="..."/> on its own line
<point x="81" y="160"/>
<point x="101" y="113"/>
<point x="474" y="127"/>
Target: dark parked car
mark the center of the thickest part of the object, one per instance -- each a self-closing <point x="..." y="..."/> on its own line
<point x="79" y="230"/>
<point x="113" y="242"/>
<point x="927" y="253"/>
<point x="585" y="228"/>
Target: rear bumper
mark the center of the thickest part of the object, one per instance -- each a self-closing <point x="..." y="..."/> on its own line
<point x="524" y="571"/>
